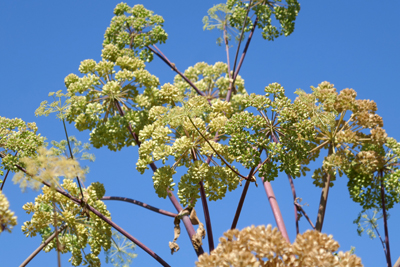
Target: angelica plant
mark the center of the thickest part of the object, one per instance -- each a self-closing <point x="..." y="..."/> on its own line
<point x="196" y="135"/>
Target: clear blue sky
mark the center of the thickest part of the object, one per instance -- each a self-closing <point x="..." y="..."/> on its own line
<point x="352" y="44"/>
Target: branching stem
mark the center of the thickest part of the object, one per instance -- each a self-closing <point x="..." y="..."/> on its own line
<point x="144" y="205"/>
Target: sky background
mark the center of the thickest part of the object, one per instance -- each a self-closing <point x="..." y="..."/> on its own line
<point x="352" y="44"/>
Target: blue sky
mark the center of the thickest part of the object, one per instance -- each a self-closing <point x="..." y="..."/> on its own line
<point x="352" y="44"/>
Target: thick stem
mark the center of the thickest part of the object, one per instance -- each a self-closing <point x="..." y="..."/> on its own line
<point x="295" y="206"/>
<point x="207" y="217"/>
<point x="205" y="207"/>
<point x="186" y="221"/>
<point x="275" y="209"/>
<point x="144" y="205"/>
<point x="388" y="258"/>
<point x="324" y="197"/>
<point x="293" y="191"/>
<point x="240" y="205"/>
<point x="46" y="242"/>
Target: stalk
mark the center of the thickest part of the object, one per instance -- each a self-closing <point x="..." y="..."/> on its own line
<point x="293" y="192"/>
<point x="240" y="205"/>
<point x="275" y="209"/>
<point x="144" y="205"/>
<point x="324" y="197"/>
<point x="388" y="258"/>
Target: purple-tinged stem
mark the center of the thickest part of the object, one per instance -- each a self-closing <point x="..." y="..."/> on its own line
<point x="144" y="205"/>
<point x="240" y="39"/>
<point x="5" y="177"/>
<point x="242" y="197"/>
<point x="324" y="197"/>
<point x="45" y="243"/>
<point x="173" y="67"/>
<point x="293" y="192"/>
<point x="245" y="50"/>
<point x="227" y="52"/>
<point x="186" y="221"/>
<point x="205" y="208"/>
<point x="240" y="205"/>
<point x="304" y="213"/>
<point x="275" y="209"/>
<point x="295" y="206"/>
<point x="207" y="217"/>
<point x="388" y="258"/>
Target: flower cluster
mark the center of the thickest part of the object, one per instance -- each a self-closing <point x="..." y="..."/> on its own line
<point x="264" y="246"/>
<point x="82" y="227"/>
<point x="285" y="14"/>
<point x="7" y="218"/>
<point x="17" y="136"/>
<point x="137" y="28"/>
<point x="340" y="122"/>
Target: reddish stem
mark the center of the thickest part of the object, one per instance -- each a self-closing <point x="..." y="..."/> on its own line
<point x="240" y="205"/>
<point x="144" y="205"/>
<point x="173" y="67"/>
<point x="388" y="258"/>
<point x="296" y="217"/>
<point x="275" y="209"/>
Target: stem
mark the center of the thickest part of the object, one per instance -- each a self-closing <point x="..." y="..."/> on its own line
<point x="240" y="39"/>
<point x="5" y="177"/>
<point x="296" y="217"/>
<point x="240" y="205"/>
<point x="186" y="221"/>
<point x="45" y="243"/>
<point x="174" y="68"/>
<point x="304" y="213"/>
<point x="388" y="258"/>
<point x="293" y="190"/>
<point x="207" y="217"/>
<point x="324" y="197"/>
<point x="144" y="205"/>
<point x="206" y="212"/>
<point x="227" y="52"/>
<point x="380" y="238"/>
<point x="245" y="50"/>
<point x="275" y="209"/>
